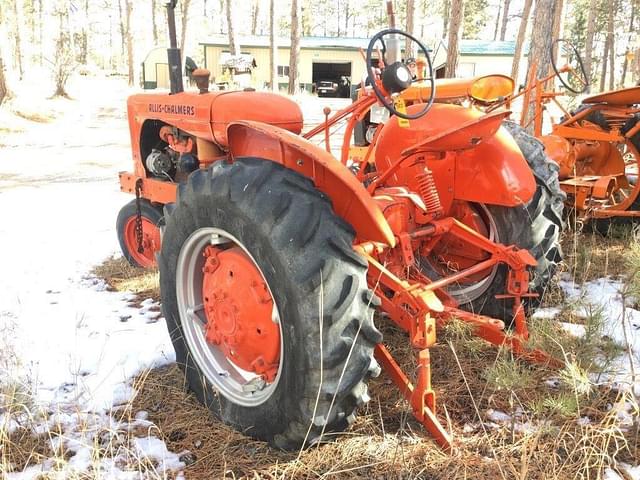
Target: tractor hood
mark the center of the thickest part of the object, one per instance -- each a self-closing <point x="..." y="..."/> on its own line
<point x="208" y="115"/>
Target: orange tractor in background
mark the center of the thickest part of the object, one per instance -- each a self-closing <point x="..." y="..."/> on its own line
<point x="274" y="254"/>
<point x="596" y="147"/>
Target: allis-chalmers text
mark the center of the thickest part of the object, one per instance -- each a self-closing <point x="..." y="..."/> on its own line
<point x="189" y="110"/>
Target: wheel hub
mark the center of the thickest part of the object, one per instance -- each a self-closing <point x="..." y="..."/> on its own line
<point x="150" y="242"/>
<point x="240" y="311"/>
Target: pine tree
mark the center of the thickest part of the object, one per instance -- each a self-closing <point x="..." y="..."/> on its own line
<point x="505" y="19"/>
<point x="273" y="47"/>
<point x="522" y="32"/>
<point x="455" y="31"/>
<point x="234" y="47"/>
<point x="294" y="57"/>
<point x="128" y="7"/>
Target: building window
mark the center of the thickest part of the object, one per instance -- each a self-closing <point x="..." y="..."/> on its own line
<point x="466" y="69"/>
<point x="283" y="70"/>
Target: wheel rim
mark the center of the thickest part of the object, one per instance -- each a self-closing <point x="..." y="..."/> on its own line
<point x="229" y="318"/>
<point x="625" y="189"/>
<point x="623" y="196"/>
<point x="446" y="259"/>
<point x="150" y="242"/>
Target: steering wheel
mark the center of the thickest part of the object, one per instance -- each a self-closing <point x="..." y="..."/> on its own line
<point x="571" y="52"/>
<point x="397" y="76"/>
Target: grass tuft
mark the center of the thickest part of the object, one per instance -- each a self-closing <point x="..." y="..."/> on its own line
<point x="508" y="374"/>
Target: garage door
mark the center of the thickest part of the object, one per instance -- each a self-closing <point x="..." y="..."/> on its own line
<point x="338" y="73"/>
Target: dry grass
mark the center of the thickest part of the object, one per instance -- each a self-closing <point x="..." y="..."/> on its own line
<point x="121" y="276"/>
<point x="589" y="255"/>
<point x="387" y="442"/>
<point x="37" y="117"/>
<point x="543" y="440"/>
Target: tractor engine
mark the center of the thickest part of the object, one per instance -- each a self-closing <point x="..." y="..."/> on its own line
<point x="179" y="135"/>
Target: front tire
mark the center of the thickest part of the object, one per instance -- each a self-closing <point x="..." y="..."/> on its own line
<point x="152" y="219"/>
<point x="318" y="283"/>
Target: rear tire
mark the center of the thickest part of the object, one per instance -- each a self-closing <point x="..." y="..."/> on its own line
<point x="535" y="227"/>
<point x="317" y="281"/>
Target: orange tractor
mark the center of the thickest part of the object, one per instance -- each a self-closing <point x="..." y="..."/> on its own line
<point x="596" y="146"/>
<point x="274" y="254"/>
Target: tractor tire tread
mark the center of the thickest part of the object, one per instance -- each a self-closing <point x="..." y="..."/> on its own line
<point x="312" y="242"/>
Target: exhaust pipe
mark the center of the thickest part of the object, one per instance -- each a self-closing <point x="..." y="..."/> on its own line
<point x="173" y="52"/>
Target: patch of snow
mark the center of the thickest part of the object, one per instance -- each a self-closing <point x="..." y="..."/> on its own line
<point x="155" y="449"/>
<point x="497" y="416"/>
<point x="632" y="473"/>
<point x="573" y="329"/>
<point x="76" y="353"/>
<point x="546" y="313"/>
<point x="552" y="382"/>
<point x="610" y="474"/>
<point x="584" y="421"/>
<point x="604" y="297"/>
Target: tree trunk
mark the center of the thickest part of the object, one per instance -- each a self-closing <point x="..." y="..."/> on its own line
<point x="3" y="82"/>
<point x="505" y="19"/>
<point x="63" y="63"/>
<point x="254" y="16"/>
<point x="558" y="19"/>
<point x="129" y="39"/>
<point x="409" y="46"/>
<point x="588" y="47"/>
<point x="123" y="37"/>
<point x="605" y="60"/>
<point x="294" y="80"/>
<point x="234" y="47"/>
<point x="541" y="41"/>
<point x="455" y="32"/>
<point x="184" y="22"/>
<point x="273" y="47"/>
<point x="542" y="35"/>
<point x="347" y="16"/>
<point x="625" y="64"/>
<point x="522" y="33"/>
<point x="154" y="25"/>
<point x="612" y="50"/>
<point x="446" y="13"/>
<point x="4" y="89"/>
<point x="40" y="29"/>
<point x="84" y="44"/>
<point x="17" y="23"/>
<point x="495" y="31"/>
<point x="609" y="53"/>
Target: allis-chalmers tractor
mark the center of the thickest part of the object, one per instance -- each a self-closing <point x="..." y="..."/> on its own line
<point x="595" y="148"/>
<point x="275" y="254"/>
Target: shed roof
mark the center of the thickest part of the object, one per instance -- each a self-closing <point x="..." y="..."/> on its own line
<point x="467" y="47"/>
<point x="342" y="43"/>
<point x="487" y="47"/>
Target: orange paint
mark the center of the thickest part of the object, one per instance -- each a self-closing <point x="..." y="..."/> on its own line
<point x="150" y="241"/>
<point x="239" y="311"/>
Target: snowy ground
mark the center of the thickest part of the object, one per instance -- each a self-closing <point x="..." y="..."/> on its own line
<point x="77" y="345"/>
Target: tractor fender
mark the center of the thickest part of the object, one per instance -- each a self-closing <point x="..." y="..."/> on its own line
<point x="350" y="199"/>
<point x="479" y="160"/>
<point x="494" y="172"/>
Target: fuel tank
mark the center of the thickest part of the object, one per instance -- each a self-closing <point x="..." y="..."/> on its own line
<point x="208" y="115"/>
